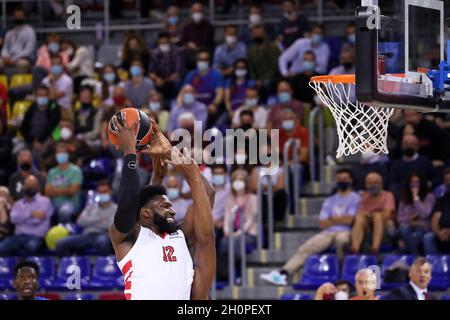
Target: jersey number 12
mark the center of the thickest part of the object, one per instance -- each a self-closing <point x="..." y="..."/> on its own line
<point x="168" y="254"/>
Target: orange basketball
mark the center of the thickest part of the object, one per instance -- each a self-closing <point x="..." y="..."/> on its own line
<point x="127" y="117"/>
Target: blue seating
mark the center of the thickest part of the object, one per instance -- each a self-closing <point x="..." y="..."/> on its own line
<point x="67" y="272"/>
<point x="440" y="280"/>
<point x="318" y="270"/>
<point x="79" y="296"/>
<point x="445" y="297"/>
<point x="5" y="296"/>
<point x="46" y="269"/>
<point x="353" y="263"/>
<point x="220" y="285"/>
<point x="6" y="272"/>
<point x="296" y="296"/>
<point x="388" y="261"/>
<point x="105" y="274"/>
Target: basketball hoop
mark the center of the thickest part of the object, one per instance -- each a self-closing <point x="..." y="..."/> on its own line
<point x="360" y="127"/>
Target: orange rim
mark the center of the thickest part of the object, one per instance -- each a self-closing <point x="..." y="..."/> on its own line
<point x="345" y="78"/>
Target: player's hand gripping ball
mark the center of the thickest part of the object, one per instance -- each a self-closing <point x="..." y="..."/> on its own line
<point x="127" y="117"/>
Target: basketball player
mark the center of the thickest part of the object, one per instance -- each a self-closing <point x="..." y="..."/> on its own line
<point x="152" y="252"/>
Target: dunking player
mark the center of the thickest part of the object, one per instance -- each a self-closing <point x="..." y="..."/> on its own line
<point x="152" y="252"/>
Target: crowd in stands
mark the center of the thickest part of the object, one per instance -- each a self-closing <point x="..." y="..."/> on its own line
<point x="57" y="165"/>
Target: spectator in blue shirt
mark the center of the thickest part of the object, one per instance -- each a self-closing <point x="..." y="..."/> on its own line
<point x="293" y="55"/>
<point x="208" y="84"/>
<point x="229" y="52"/>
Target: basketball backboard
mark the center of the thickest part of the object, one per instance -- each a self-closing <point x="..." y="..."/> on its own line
<point x="398" y="44"/>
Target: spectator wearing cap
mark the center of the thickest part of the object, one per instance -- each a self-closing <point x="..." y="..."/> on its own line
<point x="293" y="55"/>
<point x="285" y="101"/>
<point x="138" y="87"/>
<point x="187" y="102"/>
<point x="230" y="51"/>
<point x="63" y="185"/>
<point x="31" y="218"/>
<point x="419" y="278"/>
<point x="251" y="103"/>
<point x="167" y="66"/>
<point x="52" y="46"/>
<point x="293" y="25"/>
<point x="25" y="168"/>
<point x="438" y="240"/>
<point x="60" y="86"/>
<point x="95" y="220"/>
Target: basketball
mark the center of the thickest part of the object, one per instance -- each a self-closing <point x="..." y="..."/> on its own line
<point x="127" y="117"/>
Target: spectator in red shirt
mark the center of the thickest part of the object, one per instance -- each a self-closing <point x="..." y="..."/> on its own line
<point x="291" y="129"/>
<point x="285" y="101"/>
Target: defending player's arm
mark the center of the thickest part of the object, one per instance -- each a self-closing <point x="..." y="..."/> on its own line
<point x="125" y="220"/>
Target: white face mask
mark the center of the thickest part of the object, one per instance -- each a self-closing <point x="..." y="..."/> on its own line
<point x="255" y="18"/>
<point x="341" y="295"/>
<point x="240" y="158"/>
<point x="230" y="40"/>
<point x="164" y="47"/>
<point x="197" y="16"/>
<point x="238" y="185"/>
<point x="66" y="133"/>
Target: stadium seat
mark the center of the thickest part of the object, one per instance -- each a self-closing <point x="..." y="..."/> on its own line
<point x="111" y="296"/>
<point x="296" y="296"/>
<point x="5" y="296"/>
<point x="353" y="263"/>
<point x="440" y="280"/>
<point x="6" y="272"/>
<point x="220" y="285"/>
<point x="318" y="269"/>
<point x="4" y="80"/>
<point x="18" y="113"/>
<point x="19" y="80"/>
<point x="387" y="262"/>
<point x="46" y="269"/>
<point x="67" y="274"/>
<point x="79" y="296"/>
<point x="445" y="297"/>
<point x="105" y="274"/>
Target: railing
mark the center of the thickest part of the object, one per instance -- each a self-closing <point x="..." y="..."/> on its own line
<point x="296" y="166"/>
<point x="231" y="255"/>
<point x="317" y="111"/>
<point x="270" y="230"/>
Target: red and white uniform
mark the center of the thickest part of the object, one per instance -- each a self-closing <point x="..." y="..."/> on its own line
<point x="158" y="268"/>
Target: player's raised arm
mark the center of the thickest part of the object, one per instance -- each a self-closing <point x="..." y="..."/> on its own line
<point x="125" y="219"/>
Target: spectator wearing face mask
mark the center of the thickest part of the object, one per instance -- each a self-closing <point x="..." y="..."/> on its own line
<point x="230" y="51"/>
<point x="251" y="103"/>
<point x="411" y="161"/>
<point x="105" y="89"/>
<point x="87" y="117"/>
<point x="81" y="62"/>
<point x="291" y="129"/>
<point x="414" y="213"/>
<point x="95" y="220"/>
<point x="187" y="102"/>
<point x="350" y="36"/>
<point x="222" y="187"/>
<point x="303" y="92"/>
<point x="61" y="87"/>
<point x="285" y="101"/>
<point x="25" y="169"/>
<point x="198" y="32"/>
<point x="209" y="86"/>
<point x="138" y="87"/>
<point x="51" y="47"/>
<point x="293" y="25"/>
<point x="31" y="218"/>
<point x="167" y="66"/>
<point x="240" y="207"/>
<point x="236" y="86"/>
<point x="134" y="49"/>
<point x="294" y="54"/>
<point x="438" y="240"/>
<point x="40" y="119"/>
<point x="340" y="290"/>
<point x="443" y="188"/>
<point x="180" y="205"/>
<point x="336" y="218"/>
<point x="376" y="209"/>
<point x="156" y="106"/>
<point x="19" y="42"/>
<point x="63" y="185"/>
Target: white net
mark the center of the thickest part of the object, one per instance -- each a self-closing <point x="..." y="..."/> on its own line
<point x="360" y="128"/>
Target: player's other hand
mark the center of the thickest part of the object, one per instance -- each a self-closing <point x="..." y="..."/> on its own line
<point x="184" y="164"/>
<point x="127" y="137"/>
<point x="159" y="145"/>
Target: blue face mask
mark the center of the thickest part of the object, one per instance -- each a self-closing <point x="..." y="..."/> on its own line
<point x="172" y="20"/>
<point x="109" y="77"/>
<point x="284" y="97"/>
<point x="351" y="38"/>
<point x="53" y="47"/>
<point x="288" y="125"/>
<point x="188" y="98"/>
<point x="316" y="39"/>
<point x="103" y="198"/>
<point x="62" y="157"/>
<point x="154" y="106"/>
<point x="135" y="71"/>
<point x="219" y="179"/>
<point x="202" y="65"/>
<point x="56" y="69"/>
<point x="173" y="193"/>
<point x="42" y="101"/>
<point x="309" y="65"/>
